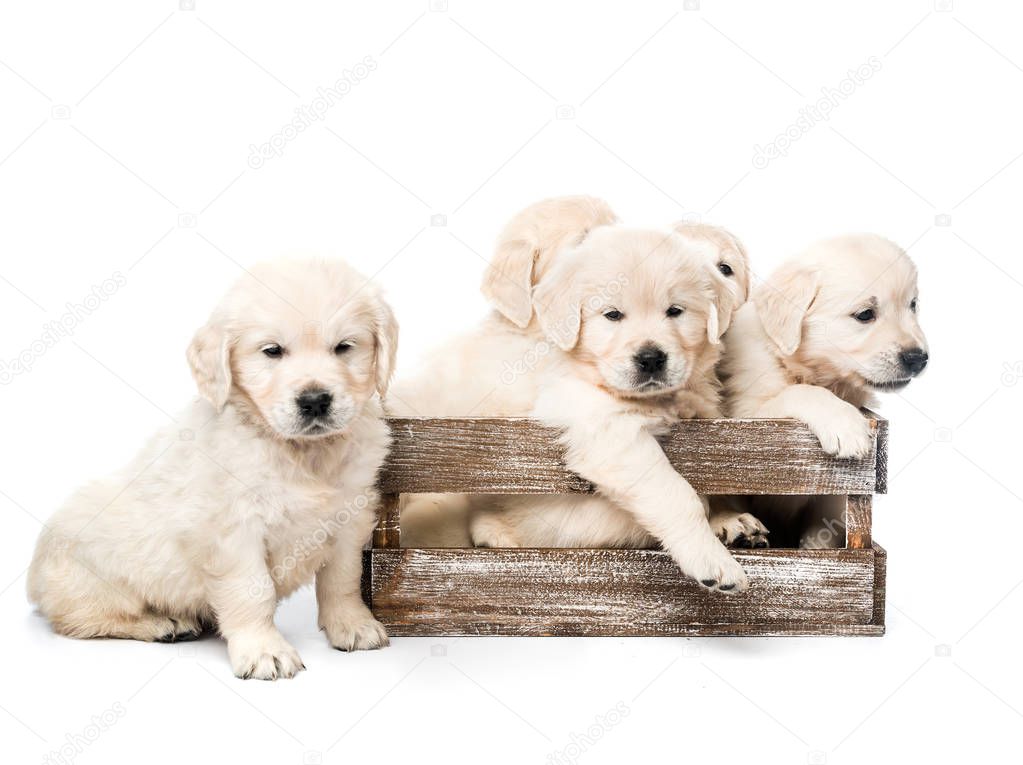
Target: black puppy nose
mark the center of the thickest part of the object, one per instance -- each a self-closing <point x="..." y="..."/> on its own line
<point x="650" y="359"/>
<point x="914" y="360"/>
<point x="314" y="403"/>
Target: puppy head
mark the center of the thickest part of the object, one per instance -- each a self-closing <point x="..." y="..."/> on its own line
<point x="729" y="263"/>
<point x="526" y="248"/>
<point x="847" y="311"/>
<point x="300" y="345"/>
<point x="633" y="309"/>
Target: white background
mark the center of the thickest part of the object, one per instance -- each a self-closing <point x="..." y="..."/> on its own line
<point x="124" y="147"/>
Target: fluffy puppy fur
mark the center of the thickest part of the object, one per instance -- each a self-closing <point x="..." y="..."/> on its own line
<point x="264" y="484"/>
<point x="828" y="329"/>
<point x="633" y="318"/>
<point x="549" y="351"/>
<point x="494" y="369"/>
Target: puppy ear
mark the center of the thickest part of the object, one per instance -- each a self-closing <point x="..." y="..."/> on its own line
<point x="209" y="356"/>
<point x="782" y="303"/>
<point x="714" y="332"/>
<point x="528" y="244"/>
<point x="558" y="307"/>
<point x="732" y="291"/>
<point x="385" y="335"/>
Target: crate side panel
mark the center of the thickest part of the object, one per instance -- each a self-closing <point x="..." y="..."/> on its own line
<point x="613" y="592"/>
<point x="511" y="456"/>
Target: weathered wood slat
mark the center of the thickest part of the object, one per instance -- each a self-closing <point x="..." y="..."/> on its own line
<point x="388" y="530"/>
<point x="858" y="512"/>
<point x="881" y="453"/>
<point x="617" y="592"/>
<point x="521" y="456"/>
<point x="880" y="585"/>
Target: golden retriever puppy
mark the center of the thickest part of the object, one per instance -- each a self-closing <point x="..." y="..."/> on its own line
<point x="494" y="370"/>
<point x="827" y="330"/>
<point x="633" y="321"/>
<point x="264" y="484"/>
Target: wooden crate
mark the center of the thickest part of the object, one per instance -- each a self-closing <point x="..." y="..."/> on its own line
<point x="418" y="592"/>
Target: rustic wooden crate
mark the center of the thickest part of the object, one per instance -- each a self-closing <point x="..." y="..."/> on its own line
<point x="422" y="592"/>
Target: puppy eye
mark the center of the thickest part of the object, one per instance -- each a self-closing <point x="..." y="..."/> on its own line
<point x="273" y="350"/>
<point x="725" y="269"/>
<point x="341" y="348"/>
<point x="865" y="316"/>
<point x="913" y="305"/>
<point x="674" y="311"/>
<point x="614" y="315"/>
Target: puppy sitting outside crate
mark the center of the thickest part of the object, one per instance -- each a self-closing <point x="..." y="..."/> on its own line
<point x="265" y="484"/>
<point x="828" y="329"/>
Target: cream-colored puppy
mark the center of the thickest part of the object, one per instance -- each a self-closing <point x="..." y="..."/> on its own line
<point x="827" y="330"/>
<point x="494" y="370"/>
<point x="263" y="485"/>
<point x="633" y="318"/>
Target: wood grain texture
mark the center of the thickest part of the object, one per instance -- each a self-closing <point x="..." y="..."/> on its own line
<point x="388" y="529"/>
<point x="880" y="452"/>
<point x="858" y="512"/>
<point x="521" y="456"/>
<point x="880" y="587"/>
<point x="617" y="592"/>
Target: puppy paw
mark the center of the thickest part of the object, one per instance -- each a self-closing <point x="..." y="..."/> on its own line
<point x="181" y="630"/>
<point x="738" y="529"/>
<point x="355" y="629"/>
<point x="263" y="656"/>
<point x="845" y="434"/>
<point x="714" y="568"/>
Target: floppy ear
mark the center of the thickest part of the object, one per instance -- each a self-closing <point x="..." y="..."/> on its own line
<point x="529" y="242"/>
<point x="714" y="332"/>
<point x="782" y="303"/>
<point x="385" y="335"/>
<point x="209" y="356"/>
<point x="732" y="291"/>
<point x="558" y="306"/>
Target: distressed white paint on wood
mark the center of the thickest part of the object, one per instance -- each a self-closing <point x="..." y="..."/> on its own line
<point x="617" y="592"/>
<point x="514" y="455"/>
